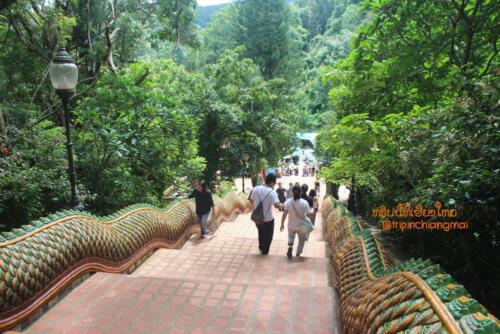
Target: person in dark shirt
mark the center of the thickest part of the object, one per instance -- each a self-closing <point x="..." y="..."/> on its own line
<point x="281" y="194"/>
<point x="304" y="195"/>
<point x="204" y="204"/>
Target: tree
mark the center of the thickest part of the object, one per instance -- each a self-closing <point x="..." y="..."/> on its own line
<point x="220" y="34"/>
<point x="177" y="16"/>
<point x="264" y="31"/>
<point x="6" y="3"/>
<point x="409" y="122"/>
<point x="321" y="11"/>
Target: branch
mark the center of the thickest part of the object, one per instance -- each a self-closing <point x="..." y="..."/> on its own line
<point x="28" y="46"/>
<point x="45" y="73"/>
<point x="53" y="109"/>
<point x="143" y="77"/>
<point x="6" y="3"/>
<point x="111" y="38"/>
<point x="493" y="56"/>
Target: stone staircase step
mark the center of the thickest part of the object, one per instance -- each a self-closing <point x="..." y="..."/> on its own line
<point x="109" y="303"/>
<point x="237" y="268"/>
<point x="238" y="245"/>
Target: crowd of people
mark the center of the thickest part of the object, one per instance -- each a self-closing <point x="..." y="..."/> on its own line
<point x="297" y="202"/>
<point x="294" y="170"/>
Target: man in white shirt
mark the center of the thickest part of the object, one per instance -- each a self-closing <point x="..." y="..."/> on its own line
<point x="269" y="198"/>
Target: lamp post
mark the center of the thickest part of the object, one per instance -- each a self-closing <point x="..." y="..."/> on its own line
<point x="64" y="77"/>
<point x="244" y="158"/>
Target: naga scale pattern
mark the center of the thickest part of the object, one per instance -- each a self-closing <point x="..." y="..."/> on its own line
<point x="39" y="260"/>
<point x="377" y="296"/>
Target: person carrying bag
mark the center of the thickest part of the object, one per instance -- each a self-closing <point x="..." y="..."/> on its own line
<point x="262" y="199"/>
<point x="258" y="215"/>
<point x="298" y="212"/>
<point x="305" y="226"/>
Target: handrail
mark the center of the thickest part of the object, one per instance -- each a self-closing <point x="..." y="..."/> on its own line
<point x="457" y="313"/>
<point x="50" y="254"/>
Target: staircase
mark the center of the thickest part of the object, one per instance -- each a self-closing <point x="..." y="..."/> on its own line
<point x="216" y="285"/>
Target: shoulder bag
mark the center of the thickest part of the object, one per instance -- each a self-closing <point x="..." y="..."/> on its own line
<point x="306" y="226"/>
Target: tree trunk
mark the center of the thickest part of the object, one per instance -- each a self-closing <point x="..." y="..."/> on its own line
<point x="3" y="132"/>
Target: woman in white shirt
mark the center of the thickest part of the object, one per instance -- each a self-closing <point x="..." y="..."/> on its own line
<point x="296" y="209"/>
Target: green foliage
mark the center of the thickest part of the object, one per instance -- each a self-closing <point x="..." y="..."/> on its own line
<point x="176" y="17"/>
<point x="264" y="31"/>
<point x="33" y="178"/>
<point x="135" y="137"/>
<point x="330" y="27"/>
<point x="220" y="34"/>
<point x="224" y="187"/>
<point x="415" y="119"/>
<point x="229" y="127"/>
<point x="205" y="14"/>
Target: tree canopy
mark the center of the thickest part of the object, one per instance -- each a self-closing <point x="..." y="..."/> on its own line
<point x="415" y="119"/>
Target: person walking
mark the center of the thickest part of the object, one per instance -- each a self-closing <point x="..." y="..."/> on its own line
<point x="260" y="177"/>
<point x="281" y="194"/>
<point x="317" y="185"/>
<point x="296" y="209"/>
<point x="289" y="192"/>
<point x="304" y="195"/>
<point x="315" y="207"/>
<point x="266" y="195"/>
<point x="204" y="204"/>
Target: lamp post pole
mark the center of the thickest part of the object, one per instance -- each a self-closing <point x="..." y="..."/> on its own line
<point x="243" y="176"/>
<point x="64" y="77"/>
<point x="66" y="102"/>
<point x="244" y="158"/>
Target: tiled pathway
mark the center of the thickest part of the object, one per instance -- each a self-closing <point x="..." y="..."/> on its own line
<point x="218" y="285"/>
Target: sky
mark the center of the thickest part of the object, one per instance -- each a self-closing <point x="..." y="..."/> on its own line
<point x="212" y="2"/>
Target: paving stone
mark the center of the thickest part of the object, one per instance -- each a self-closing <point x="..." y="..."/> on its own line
<point x="273" y="309"/>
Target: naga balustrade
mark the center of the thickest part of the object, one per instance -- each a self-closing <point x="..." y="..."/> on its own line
<point x="39" y="260"/>
<point x="377" y="296"/>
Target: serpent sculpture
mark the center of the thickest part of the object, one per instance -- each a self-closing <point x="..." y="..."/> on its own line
<point x="39" y="260"/>
<point x="377" y="296"/>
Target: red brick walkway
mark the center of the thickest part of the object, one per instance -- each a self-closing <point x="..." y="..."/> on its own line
<point x="218" y="285"/>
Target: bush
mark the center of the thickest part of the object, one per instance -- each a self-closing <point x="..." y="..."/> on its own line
<point x="33" y="180"/>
